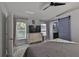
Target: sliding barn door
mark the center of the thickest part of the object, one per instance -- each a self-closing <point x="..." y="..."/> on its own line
<point x="64" y="28"/>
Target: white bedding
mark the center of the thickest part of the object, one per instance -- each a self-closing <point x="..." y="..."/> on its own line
<point x="19" y="51"/>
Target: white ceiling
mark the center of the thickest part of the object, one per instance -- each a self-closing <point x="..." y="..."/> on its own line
<point x="34" y="10"/>
<point x="53" y="11"/>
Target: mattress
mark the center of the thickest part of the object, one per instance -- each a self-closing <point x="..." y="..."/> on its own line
<point x="53" y="49"/>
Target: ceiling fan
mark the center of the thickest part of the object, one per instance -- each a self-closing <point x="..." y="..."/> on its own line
<point x="54" y="4"/>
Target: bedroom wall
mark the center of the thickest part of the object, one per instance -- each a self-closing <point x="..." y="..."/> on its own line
<point x="75" y="25"/>
<point x="0" y="34"/>
<point x="2" y="9"/>
<point x="1" y="6"/>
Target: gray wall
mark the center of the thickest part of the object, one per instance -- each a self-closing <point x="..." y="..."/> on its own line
<point x="75" y="25"/>
<point x="0" y="34"/>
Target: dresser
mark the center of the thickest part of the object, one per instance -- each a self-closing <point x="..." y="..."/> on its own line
<point x="34" y="37"/>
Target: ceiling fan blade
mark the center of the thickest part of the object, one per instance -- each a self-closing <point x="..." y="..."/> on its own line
<point x="46" y="7"/>
<point x="58" y="4"/>
<point x="54" y="4"/>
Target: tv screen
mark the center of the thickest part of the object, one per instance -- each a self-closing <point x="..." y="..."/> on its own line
<point x="33" y="29"/>
<point x="38" y="28"/>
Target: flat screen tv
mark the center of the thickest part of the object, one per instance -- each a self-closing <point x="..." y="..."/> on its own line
<point x="33" y="29"/>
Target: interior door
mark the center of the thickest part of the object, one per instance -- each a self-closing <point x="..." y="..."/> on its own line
<point x="64" y="28"/>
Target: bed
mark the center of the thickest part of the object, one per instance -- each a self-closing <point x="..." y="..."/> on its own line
<point x="53" y="48"/>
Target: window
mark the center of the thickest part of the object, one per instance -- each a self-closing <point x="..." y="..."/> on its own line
<point x="43" y="29"/>
<point x="20" y="30"/>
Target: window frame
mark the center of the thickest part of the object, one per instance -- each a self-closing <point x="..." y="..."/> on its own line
<point x="21" y="20"/>
<point x="43" y="29"/>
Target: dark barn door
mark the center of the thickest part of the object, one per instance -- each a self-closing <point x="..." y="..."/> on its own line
<point x="64" y="28"/>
